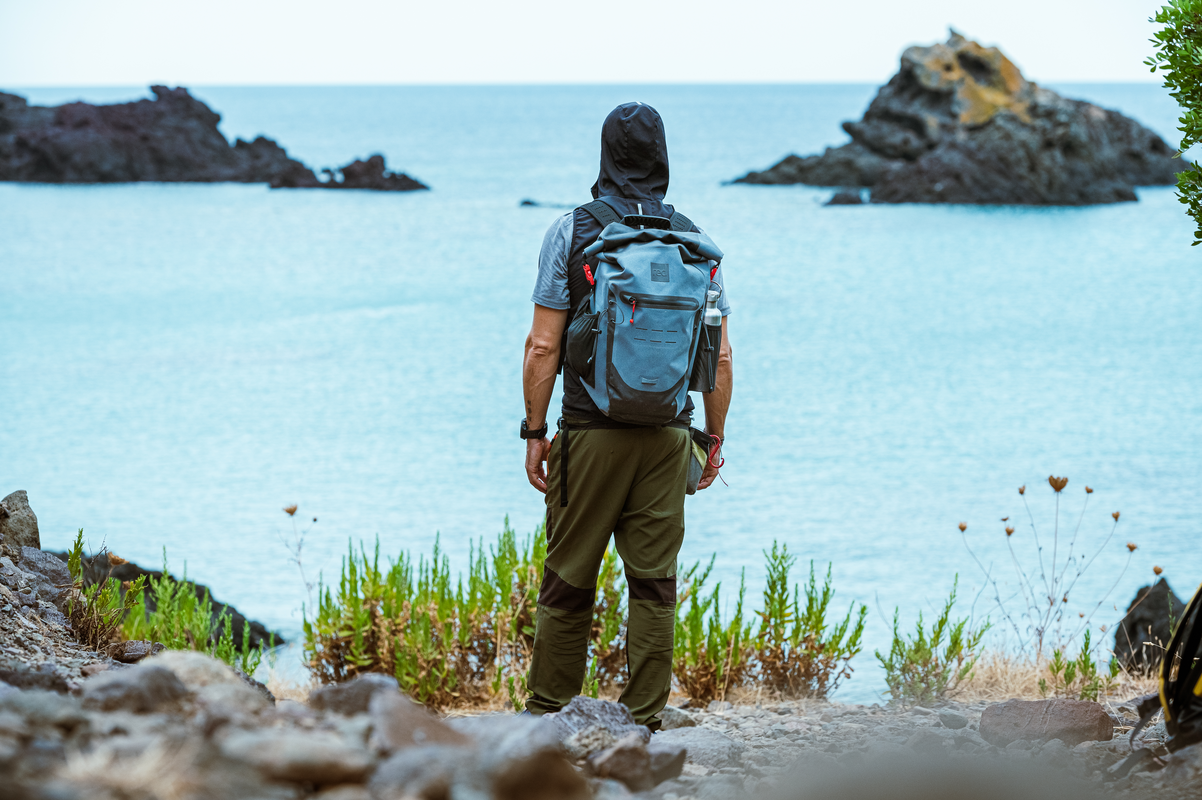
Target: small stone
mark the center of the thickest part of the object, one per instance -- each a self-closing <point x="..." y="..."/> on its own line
<point x="193" y="669"/>
<point x="719" y="707"/>
<point x="303" y="756"/>
<point x="608" y="789"/>
<point x="667" y="760"/>
<point x="346" y="791"/>
<point x="672" y="718"/>
<point x="131" y="652"/>
<point x="951" y="719"/>
<point x="88" y="670"/>
<point x="627" y="761"/>
<point x="425" y="772"/>
<point x="140" y="689"/>
<point x="592" y="739"/>
<point x="707" y="748"/>
<point x="927" y="741"/>
<point x="400" y="723"/>
<point x="354" y="696"/>
<point x="1071" y="721"/>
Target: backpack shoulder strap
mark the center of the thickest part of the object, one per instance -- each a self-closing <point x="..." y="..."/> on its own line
<point x="679" y="222"/>
<point x="601" y="212"/>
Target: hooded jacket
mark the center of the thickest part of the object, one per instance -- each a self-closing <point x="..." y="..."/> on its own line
<point x="633" y="173"/>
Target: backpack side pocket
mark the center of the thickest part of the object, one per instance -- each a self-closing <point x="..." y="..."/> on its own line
<point x="705" y="363"/>
<point x="582" y="343"/>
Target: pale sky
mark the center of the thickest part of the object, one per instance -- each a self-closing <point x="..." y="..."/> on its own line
<point x="258" y="42"/>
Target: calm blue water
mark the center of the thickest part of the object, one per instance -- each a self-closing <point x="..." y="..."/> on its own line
<point x="177" y="363"/>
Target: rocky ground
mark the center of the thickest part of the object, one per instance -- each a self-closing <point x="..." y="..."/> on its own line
<point x="959" y="123"/>
<point x="141" y="723"/>
<point x="172" y="137"/>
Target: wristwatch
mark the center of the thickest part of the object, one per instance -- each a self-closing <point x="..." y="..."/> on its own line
<point x="526" y="433"/>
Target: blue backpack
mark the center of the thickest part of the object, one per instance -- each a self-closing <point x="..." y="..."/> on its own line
<point x="636" y="341"/>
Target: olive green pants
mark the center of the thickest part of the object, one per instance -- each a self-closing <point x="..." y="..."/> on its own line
<point x="628" y="483"/>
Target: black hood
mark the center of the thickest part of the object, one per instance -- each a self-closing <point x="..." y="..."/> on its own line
<point x="634" y="156"/>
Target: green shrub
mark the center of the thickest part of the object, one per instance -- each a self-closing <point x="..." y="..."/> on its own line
<point x="183" y="620"/>
<point x="930" y="666"/>
<point x="447" y="643"/>
<point x="709" y="657"/>
<point x="799" y="654"/>
<point x="96" y="612"/>
<point x="1078" y="678"/>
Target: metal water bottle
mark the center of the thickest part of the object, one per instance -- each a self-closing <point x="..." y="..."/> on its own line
<point x="713" y="316"/>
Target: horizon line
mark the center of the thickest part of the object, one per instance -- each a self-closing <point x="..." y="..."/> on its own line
<point x="493" y="85"/>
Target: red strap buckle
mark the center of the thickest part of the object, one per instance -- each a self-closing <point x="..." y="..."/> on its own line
<point x="713" y="272"/>
<point x="588" y="273"/>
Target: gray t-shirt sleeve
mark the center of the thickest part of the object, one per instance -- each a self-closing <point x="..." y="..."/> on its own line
<point x="551" y="286"/>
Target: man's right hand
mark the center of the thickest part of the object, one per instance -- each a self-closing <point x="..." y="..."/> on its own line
<point x="536" y="460"/>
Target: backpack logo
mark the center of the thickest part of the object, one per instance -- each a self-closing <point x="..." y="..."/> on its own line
<point x="659" y="272"/>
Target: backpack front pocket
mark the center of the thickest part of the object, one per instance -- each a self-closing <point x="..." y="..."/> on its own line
<point x="653" y="338"/>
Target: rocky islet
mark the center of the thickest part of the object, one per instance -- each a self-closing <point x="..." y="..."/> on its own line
<point x="170" y="138"/>
<point x="959" y="123"/>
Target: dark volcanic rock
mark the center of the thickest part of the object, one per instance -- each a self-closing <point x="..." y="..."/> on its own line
<point x="369" y="174"/>
<point x="959" y="123"/>
<point x="172" y="138"/>
<point x="846" y="197"/>
<point x="1145" y="627"/>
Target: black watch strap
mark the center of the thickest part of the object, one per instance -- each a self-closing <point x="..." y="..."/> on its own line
<point x="526" y="433"/>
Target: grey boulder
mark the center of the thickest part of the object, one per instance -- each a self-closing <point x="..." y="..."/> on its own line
<point x="18" y="525"/>
<point x="141" y="689"/>
<point x="586" y="712"/>
<point x="1071" y="721"/>
<point x="354" y="696"/>
<point x="627" y="761"/>
<point x="672" y="718"/>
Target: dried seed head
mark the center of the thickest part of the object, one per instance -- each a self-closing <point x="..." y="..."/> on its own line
<point x="1057" y="483"/>
<point x="1081" y="614"/>
<point x="1116" y="516"/>
<point x="116" y="560"/>
<point x="290" y="510"/>
<point x="1005" y="519"/>
<point x="1132" y="547"/>
<point x="1157" y="570"/>
<point x="963" y="527"/>
<point x="1088" y="490"/>
<point x="1009" y="530"/>
<point x="1102" y="629"/>
<point x="1022" y="490"/>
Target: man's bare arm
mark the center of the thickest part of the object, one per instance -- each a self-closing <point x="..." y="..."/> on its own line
<point x="717" y="402"/>
<point x="538" y="382"/>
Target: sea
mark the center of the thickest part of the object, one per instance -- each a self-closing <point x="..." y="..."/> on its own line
<point x="179" y="363"/>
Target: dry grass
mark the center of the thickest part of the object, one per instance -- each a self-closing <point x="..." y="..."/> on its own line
<point x="1000" y="676"/>
<point x="289" y="689"/>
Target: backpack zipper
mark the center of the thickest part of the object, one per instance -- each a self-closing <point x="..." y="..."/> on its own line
<point x="655" y="301"/>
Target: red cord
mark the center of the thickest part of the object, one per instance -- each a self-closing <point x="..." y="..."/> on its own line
<point x="713" y="272"/>
<point x="634" y="304"/>
<point x="714" y="450"/>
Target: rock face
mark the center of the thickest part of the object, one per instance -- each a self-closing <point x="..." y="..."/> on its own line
<point x="172" y="138"/>
<point x="1070" y="721"/>
<point x="1145" y="627"/>
<point x="18" y="526"/>
<point x="959" y="123"/>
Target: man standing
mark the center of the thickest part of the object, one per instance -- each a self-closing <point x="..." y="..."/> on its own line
<point x="625" y="480"/>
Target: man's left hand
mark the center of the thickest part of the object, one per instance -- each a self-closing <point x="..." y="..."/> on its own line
<point x="710" y="472"/>
<point x="536" y="461"/>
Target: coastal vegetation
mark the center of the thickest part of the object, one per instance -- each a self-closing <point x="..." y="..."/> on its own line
<point x="1178" y="58"/>
<point x="109" y="611"/>
<point x="466" y="641"/>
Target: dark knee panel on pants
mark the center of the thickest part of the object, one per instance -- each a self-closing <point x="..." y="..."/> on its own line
<point x="555" y="592"/>
<point x="661" y="591"/>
